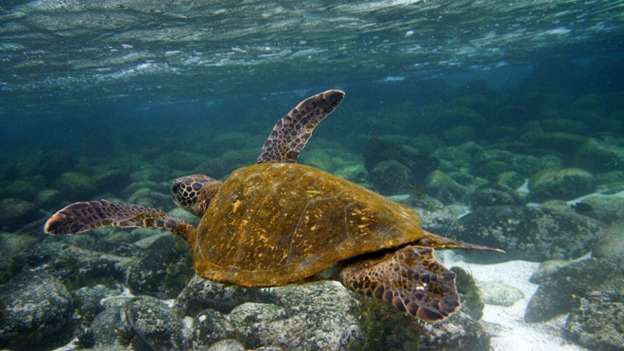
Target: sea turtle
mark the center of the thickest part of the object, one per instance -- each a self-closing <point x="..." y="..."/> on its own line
<point x="278" y="222"/>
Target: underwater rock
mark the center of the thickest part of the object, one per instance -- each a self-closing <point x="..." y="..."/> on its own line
<point x="150" y="323"/>
<point x="493" y="196"/>
<point x="33" y="305"/>
<point x="597" y="323"/>
<point x="441" y="186"/>
<point x="234" y="159"/>
<point x="210" y="327"/>
<point x="457" y="116"/>
<point x="609" y="209"/>
<point x="355" y="173"/>
<point x="319" y="313"/>
<point x="563" y="143"/>
<point x="318" y="158"/>
<point x="49" y="198"/>
<point x="164" y="270"/>
<point x="213" y="167"/>
<point x="469" y="293"/>
<point x="107" y="327"/>
<point x="263" y="324"/>
<point x="459" y="135"/>
<point x="611" y="245"/>
<point x="312" y="316"/>
<point x="601" y="156"/>
<point x="510" y="179"/>
<point x="150" y="198"/>
<point x="182" y="161"/>
<point x="201" y="294"/>
<point x="67" y="260"/>
<point x="610" y="182"/>
<point x="52" y="165"/>
<point x="438" y="220"/>
<point x="228" y="345"/>
<point x="563" y="184"/>
<point x="75" y="186"/>
<point x="558" y="125"/>
<point x="458" y="332"/>
<point x="87" y="300"/>
<point x="25" y="188"/>
<point x="111" y="180"/>
<point x="419" y="163"/>
<point x="391" y="178"/>
<point x="499" y="294"/>
<point x="562" y="284"/>
<point x="527" y="233"/>
<point x="15" y="213"/>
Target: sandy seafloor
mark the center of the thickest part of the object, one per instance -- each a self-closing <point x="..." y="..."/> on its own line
<point x="506" y="325"/>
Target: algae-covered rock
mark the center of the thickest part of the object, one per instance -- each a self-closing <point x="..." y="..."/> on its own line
<point x="201" y="294"/>
<point x="563" y="284"/>
<point x="564" y="184"/>
<point x="49" y="198"/>
<point x="493" y="196"/>
<point x="179" y="161"/>
<point x="164" y="270"/>
<point x="460" y="116"/>
<point x="459" y="135"/>
<point x="377" y="150"/>
<point x="527" y="233"/>
<point x="441" y="186"/>
<point x="609" y="209"/>
<point x="510" y="179"/>
<point x="34" y="304"/>
<point x="75" y="186"/>
<point x="500" y="294"/>
<point x="209" y="327"/>
<point x="597" y="323"/>
<point x="151" y="324"/>
<point x="15" y="213"/>
<point x="610" y="182"/>
<point x="391" y="178"/>
<point x="601" y="156"/>
<point x="318" y="158"/>
<point x="263" y="324"/>
<point x="233" y="345"/>
<point x="469" y="293"/>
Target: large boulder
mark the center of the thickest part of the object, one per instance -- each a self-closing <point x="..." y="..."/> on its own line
<point x="150" y="323"/>
<point x="34" y="305"/>
<point x="527" y="233"/>
<point x="15" y="213"/>
<point x="562" y="184"/>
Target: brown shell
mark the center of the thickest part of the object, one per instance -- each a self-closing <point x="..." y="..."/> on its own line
<point x="273" y="223"/>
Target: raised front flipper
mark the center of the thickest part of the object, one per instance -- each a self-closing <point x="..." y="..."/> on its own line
<point x="291" y="133"/>
<point x="409" y="278"/>
<point x="84" y="216"/>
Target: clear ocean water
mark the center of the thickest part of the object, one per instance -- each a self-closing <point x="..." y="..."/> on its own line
<point x="498" y="123"/>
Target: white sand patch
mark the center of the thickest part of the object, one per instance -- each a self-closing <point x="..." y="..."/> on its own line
<point x="506" y="325"/>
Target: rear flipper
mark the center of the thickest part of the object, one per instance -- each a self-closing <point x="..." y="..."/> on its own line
<point x="84" y="216"/>
<point x="409" y="278"/>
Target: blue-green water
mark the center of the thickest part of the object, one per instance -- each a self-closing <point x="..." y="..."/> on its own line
<point x="499" y="123"/>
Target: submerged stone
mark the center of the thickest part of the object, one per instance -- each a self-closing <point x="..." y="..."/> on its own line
<point x="564" y="184"/>
<point x="33" y="304"/>
<point x="527" y="233"/>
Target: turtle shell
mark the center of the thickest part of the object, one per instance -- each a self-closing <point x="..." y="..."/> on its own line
<point x="273" y="224"/>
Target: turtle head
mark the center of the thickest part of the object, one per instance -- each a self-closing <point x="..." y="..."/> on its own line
<point x="193" y="193"/>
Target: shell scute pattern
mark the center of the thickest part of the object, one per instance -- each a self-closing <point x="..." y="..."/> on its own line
<point x="272" y="224"/>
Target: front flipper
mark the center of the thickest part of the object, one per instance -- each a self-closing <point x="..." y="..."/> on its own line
<point x="409" y="278"/>
<point x="84" y="216"/>
<point x="291" y="133"/>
